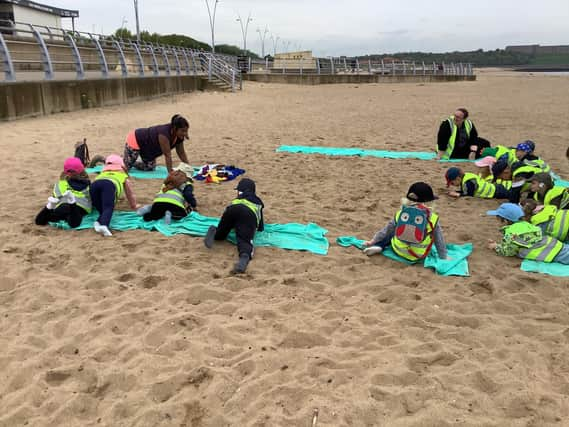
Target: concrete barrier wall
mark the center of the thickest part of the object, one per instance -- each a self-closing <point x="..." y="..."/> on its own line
<point x="36" y="98"/>
<point x="312" y="79"/>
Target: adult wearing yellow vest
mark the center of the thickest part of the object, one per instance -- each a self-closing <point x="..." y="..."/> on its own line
<point x="70" y="200"/>
<point x="457" y="137"/>
<point x="525" y="240"/>
<point x="107" y="189"/>
<point x="548" y="194"/>
<point x="245" y="215"/>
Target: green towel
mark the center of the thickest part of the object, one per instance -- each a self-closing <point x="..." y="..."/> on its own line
<point x="456" y="266"/>
<point x="385" y="154"/>
<point x="300" y="237"/>
<point x="558" y="181"/>
<point x="551" y="268"/>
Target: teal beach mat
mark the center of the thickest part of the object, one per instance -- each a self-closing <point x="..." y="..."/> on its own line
<point x="300" y="237"/>
<point x="550" y="268"/>
<point x="360" y="152"/>
<point x="457" y="265"/>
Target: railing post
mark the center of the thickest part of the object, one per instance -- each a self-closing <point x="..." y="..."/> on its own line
<point x="76" y="56"/>
<point x="102" y="59"/>
<point x="138" y="58"/>
<point x="232" y="80"/>
<point x="122" y="59"/>
<point x="155" y="69"/>
<point x="382" y="67"/>
<point x="444" y="69"/>
<point x="369" y="66"/>
<point x="357" y="66"/>
<point x="424" y="71"/>
<point x="393" y="69"/>
<point x="414" y="68"/>
<point x="194" y="62"/>
<point x="249" y="65"/>
<point x="266" y="64"/>
<point x="318" y="66"/>
<point x="434" y="68"/>
<point x="209" y="68"/>
<point x="165" y="57"/>
<point x="46" y="59"/>
<point x="301" y="66"/>
<point x="404" y="68"/>
<point x="186" y="61"/>
<point x="332" y="65"/>
<point x="174" y="51"/>
<point x="9" y="74"/>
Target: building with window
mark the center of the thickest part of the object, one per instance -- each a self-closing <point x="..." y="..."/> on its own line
<point x="30" y="12"/>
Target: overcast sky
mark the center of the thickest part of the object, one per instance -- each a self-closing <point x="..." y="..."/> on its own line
<point x="343" y="27"/>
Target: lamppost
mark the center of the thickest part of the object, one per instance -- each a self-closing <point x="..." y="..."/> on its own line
<point x="244" y="30"/>
<point x="263" y="36"/>
<point x="137" y="22"/>
<point x="275" y="42"/>
<point x="212" y="22"/>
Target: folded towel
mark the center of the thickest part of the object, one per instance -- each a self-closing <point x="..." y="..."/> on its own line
<point x="457" y="265"/>
<point x="300" y="237"/>
<point x="159" y="173"/>
<point x="551" y="268"/>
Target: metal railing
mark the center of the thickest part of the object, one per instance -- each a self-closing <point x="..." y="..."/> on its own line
<point x="32" y="52"/>
<point x="346" y="65"/>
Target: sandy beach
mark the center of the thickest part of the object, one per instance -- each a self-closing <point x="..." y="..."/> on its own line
<point x="146" y="330"/>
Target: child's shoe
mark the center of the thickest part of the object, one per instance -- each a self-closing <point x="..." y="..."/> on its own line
<point x="144" y="210"/>
<point x="241" y="265"/>
<point x="102" y="229"/>
<point x="373" y="250"/>
<point x="210" y="236"/>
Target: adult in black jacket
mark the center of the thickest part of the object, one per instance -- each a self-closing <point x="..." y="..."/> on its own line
<point x="457" y="137"/>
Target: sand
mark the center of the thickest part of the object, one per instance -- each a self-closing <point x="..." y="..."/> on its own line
<point x="145" y="330"/>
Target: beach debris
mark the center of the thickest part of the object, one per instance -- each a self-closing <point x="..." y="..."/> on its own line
<point x="314" y="417"/>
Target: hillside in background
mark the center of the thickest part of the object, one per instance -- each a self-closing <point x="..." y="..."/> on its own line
<point x="182" y="41"/>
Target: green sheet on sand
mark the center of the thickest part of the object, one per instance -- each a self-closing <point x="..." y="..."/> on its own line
<point x="551" y="268"/>
<point x="384" y="154"/>
<point x="456" y="266"/>
<point x="301" y="237"/>
<point x="159" y="173"/>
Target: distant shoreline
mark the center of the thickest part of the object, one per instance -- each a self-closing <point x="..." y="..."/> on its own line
<point x="541" y="68"/>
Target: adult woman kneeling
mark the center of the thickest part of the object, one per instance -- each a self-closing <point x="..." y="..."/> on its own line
<point x="150" y="143"/>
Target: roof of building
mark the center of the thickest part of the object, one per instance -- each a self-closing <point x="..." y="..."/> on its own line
<point x="64" y="13"/>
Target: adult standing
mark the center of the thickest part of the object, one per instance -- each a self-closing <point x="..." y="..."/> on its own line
<point x="457" y="138"/>
<point x="150" y="143"/>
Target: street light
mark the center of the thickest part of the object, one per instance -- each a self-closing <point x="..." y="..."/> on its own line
<point x="212" y="22"/>
<point x="262" y="36"/>
<point x="244" y="30"/>
<point x="275" y="42"/>
<point x="137" y="23"/>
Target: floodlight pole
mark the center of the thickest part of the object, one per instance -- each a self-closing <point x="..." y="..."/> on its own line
<point x="212" y="22"/>
<point x="262" y="37"/>
<point x="137" y="21"/>
<point x="244" y="30"/>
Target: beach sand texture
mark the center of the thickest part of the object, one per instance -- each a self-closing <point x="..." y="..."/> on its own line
<point x="145" y="330"/>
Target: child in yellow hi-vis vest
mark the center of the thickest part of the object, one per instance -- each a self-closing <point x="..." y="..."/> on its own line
<point x="245" y="215"/>
<point x="175" y="199"/>
<point x="414" y="230"/>
<point x="470" y="184"/>
<point x="108" y="187"/>
<point x="70" y="200"/>
<point x="525" y="240"/>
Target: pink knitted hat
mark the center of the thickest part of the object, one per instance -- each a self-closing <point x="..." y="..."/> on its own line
<point x="73" y="165"/>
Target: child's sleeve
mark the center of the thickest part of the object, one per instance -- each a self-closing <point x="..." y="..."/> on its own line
<point x="129" y="194"/>
<point x="189" y="195"/>
<point x="384" y="233"/>
<point x="470" y="189"/>
<point x="440" y="243"/>
<point x="261" y="226"/>
<point x="507" y="247"/>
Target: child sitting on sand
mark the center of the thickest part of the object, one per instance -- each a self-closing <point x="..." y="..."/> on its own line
<point x="472" y="185"/>
<point x="525" y="240"/>
<point x="245" y="215"/>
<point x="175" y="199"/>
<point x="106" y="190"/>
<point x="414" y="230"/>
<point x="546" y="193"/>
<point x="552" y="221"/>
<point x="71" y="200"/>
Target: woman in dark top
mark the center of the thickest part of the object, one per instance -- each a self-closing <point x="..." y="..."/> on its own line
<point x="150" y="143"/>
<point x="457" y="137"/>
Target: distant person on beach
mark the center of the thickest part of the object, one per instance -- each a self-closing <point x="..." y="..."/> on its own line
<point x="414" y="229"/>
<point x="245" y="215"/>
<point x="70" y="200"/>
<point x="150" y="143"/>
<point x="175" y="199"/>
<point x="457" y="137"/>
<point x="106" y="190"/>
<point x="525" y="240"/>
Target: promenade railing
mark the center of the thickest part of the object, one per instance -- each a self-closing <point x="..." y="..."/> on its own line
<point x="32" y="52"/>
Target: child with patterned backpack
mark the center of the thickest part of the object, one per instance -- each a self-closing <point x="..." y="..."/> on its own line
<point x="70" y="200"/>
<point x="106" y="190"/>
<point x="414" y="230"/>
<point x="525" y="240"/>
<point x="175" y="199"/>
